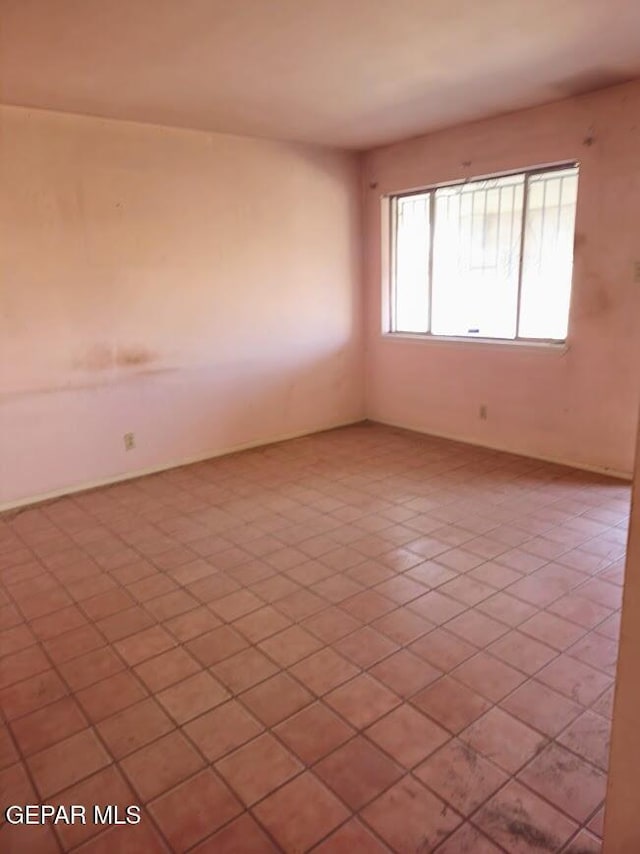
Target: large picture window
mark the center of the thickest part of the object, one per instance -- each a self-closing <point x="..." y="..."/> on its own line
<point x="486" y="259"/>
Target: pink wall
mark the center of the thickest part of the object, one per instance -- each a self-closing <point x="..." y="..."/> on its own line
<point x="199" y="290"/>
<point x="578" y="406"/>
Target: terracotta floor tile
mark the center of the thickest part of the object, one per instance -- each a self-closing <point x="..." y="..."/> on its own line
<point x="301" y="604"/>
<point x="331" y="625"/>
<point x="431" y="573"/>
<point x="477" y="628"/>
<point x="436" y="607"/>
<point x="579" y="610"/>
<point x="31" y="694"/>
<point x="443" y="649"/>
<point x="503" y="739"/>
<point x="540" y="707"/>
<point x="223" y="729"/>
<point x="59" y="622"/>
<point x="244" y="669"/>
<point x="290" y="645"/>
<point x="367" y="606"/>
<point x="552" y="630"/>
<point x="166" y="669"/>
<point x="110" y="602"/>
<point x="589" y="736"/>
<point x="187" y="612"/>
<point x="523" y="823"/>
<point x="66" y="762"/>
<point x="186" y="627"/>
<point x="194" y="810"/>
<point x="488" y="676"/>
<point x="243" y="834"/>
<point x="21" y="665"/>
<point x="468" y="840"/>
<point x="276" y="699"/>
<point x="134" y="727"/>
<point x="16" y="638"/>
<point x="73" y="644"/>
<point x="522" y="652"/>
<point x="301" y="813"/>
<point x="36" y="839"/>
<point x="584" y="843"/>
<point x="171" y="605"/>
<point x="467" y="590"/>
<point x="313" y="732"/>
<point x="362" y="700"/>
<point x="351" y="838"/>
<point x="597" y="651"/>
<point x="48" y="725"/>
<point x="402" y="625"/>
<point x="574" y="679"/>
<point x="324" y="670"/>
<point x="261" y="624"/>
<point x="596" y="823"/>
<point x="90" y="668"/>
<point x="216" y="645"/>
<point x="451" y="704"/>
<point x="15" y="787"/>
<point x="161" y="765"/>
<point x="133" y="839"/>
<point x="461" y="776"/>
<point x="365" y="647"/>
<point x="507" y="609"/>
<point x="409" y="817"/>
<point x="563" y="779"/>
<point x="153" y="585"/>
<point x="145" y="644"/>
<point x="495" y="574"/>
<point x="405" y="673"/>
<point x="358" y="772"/>
<point x="258" y="767"/>
<point x="407" y="735"/>
<point x="107" y="786"/>
<point x="193" y="696"/>
<point x="8" y="750"/>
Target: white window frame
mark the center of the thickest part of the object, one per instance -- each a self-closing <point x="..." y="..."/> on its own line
<point x="390" y="251"/>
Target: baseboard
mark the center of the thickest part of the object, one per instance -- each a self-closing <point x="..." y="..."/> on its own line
<point x="620" y="475"/>
<point x="198" y="458"/>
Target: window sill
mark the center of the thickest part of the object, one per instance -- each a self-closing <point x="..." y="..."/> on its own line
<point x="558" y="347"/>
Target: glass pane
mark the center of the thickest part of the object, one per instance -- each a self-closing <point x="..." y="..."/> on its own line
<point x="476" y="258"/>
<point x="411" y="291"/>
<point x="547" y="264"/>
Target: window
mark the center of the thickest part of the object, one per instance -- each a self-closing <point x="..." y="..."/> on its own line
<point x="486" y="259"/>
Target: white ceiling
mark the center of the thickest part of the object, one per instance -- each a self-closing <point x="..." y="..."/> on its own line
<point x="353" y="73"/>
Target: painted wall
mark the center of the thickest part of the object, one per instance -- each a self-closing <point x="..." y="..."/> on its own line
<point x="201" y="291"/>
<point x="578" y="405"/>
<point x="622" y="828"/>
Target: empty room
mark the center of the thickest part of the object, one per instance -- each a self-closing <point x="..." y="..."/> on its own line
<point x="319" y="391"/>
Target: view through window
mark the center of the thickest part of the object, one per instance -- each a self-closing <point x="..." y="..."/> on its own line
<point x="486" y="259"/>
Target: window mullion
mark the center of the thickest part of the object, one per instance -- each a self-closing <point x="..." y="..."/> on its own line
<point x="432" y="230"/>
<point x="523" y="225"/>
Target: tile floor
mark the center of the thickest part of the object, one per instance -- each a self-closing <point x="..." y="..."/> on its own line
<point x="360" y="641"/>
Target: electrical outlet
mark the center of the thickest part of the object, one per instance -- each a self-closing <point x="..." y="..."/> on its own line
<point x="129" y="441"/>
<point x="483" y="412"/>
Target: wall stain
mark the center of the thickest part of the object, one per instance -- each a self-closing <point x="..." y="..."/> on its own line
<point x="134" y="356"/>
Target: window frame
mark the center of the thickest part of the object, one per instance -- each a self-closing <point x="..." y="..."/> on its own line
<point x="391" y="200"/>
